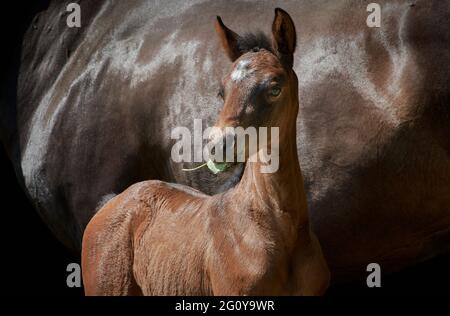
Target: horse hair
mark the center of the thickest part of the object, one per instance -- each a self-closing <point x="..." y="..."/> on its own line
<point x="254" y="42"/>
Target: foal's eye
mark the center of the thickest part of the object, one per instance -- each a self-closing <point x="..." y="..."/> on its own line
<point x="221" y="93"/>
<point x="275" y="91"/>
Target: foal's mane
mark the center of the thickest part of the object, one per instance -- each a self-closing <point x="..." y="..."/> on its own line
<point x="254" y="42"/>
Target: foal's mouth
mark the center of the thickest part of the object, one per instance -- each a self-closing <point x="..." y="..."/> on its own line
<point x="224" y="165"/>
<point x="218" y="167"/>
<point x="223" y="155"/>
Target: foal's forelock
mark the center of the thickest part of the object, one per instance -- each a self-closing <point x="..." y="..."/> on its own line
<point x="253" y="42"/>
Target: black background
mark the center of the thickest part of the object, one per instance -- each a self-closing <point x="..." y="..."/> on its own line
<point x="34" y="262"/>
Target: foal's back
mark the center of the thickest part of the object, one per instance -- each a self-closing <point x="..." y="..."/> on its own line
<point x="141" y="235"/>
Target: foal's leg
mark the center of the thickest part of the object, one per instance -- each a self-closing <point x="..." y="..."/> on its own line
<point x="107" y="254"/>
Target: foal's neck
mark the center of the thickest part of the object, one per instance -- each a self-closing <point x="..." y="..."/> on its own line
<point x="277" y="196"/>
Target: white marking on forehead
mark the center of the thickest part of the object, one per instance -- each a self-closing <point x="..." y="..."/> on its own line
<point x="241" y="71"/>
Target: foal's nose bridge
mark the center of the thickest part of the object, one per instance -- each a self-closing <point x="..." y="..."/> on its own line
<point x="224" y="136"/>
<point x="215" y="134"/>
<point x="218" y="133"/>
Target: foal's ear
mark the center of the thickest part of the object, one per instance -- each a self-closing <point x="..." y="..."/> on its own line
<point x="228" y="39"/>
<point x="284" y="36"/>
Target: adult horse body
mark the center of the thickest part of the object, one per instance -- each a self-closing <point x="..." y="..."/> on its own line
<point x="96" y="106"/>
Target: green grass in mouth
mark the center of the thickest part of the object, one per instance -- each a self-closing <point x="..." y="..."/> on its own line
<point x="214" y="167"/>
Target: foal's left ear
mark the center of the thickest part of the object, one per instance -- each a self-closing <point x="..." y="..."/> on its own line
<point x="284" y="37"/>
<point x="228" y="39"/>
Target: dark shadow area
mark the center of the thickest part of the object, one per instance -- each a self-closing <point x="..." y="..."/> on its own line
<point x="15" y="18"/>
<point x="428" y="278"/>
<point x="34" y="262"/>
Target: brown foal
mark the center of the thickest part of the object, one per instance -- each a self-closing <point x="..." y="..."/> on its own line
<point x="255" y="239"/>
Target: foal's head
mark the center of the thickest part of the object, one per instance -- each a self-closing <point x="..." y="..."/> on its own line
<point x="262" y="89"/>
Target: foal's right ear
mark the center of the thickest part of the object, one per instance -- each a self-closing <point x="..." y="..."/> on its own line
<point x="228" y="39"/>
<point x="284" y="36"/>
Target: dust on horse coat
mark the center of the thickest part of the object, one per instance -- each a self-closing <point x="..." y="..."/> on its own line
<point x="96" y="106"/>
